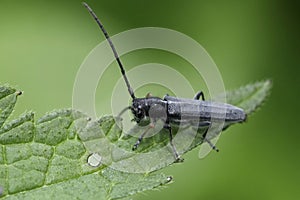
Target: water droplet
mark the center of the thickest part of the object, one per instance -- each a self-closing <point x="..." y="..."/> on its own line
<point x="94" y="160"/>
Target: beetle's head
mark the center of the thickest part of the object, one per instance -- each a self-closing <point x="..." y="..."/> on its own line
<point x="139" y="109"/>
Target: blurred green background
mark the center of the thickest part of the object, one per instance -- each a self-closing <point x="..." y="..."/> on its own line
<point x="43" y="43"/>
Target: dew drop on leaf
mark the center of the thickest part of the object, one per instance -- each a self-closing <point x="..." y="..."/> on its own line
<point x="94" y="160"/>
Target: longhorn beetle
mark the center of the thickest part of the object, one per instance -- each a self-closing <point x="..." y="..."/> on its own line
<point x="173" y="109"/>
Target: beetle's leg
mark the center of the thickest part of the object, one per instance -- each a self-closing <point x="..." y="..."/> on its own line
<point x="198" y="95"/>
<point x="209" y="142"/>
<point x="177" y="157"/>
<point x="135" y="146"/>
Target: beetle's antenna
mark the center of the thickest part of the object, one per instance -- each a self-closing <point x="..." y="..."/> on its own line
<point x="112" y="47"/>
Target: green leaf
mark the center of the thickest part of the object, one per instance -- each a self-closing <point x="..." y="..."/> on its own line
<point x="251" y="96"/>
<point x="66" y="155"/>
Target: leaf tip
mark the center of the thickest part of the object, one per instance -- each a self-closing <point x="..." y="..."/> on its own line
<point x="268" y="83"/>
